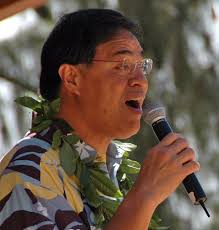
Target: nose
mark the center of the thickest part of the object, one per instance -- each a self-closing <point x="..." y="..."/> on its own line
<point x="138" y="79"/>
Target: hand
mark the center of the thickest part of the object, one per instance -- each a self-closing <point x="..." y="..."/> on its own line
<point x="164" y="168"/>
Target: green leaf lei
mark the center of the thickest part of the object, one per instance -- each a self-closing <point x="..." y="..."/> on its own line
<point x="87" y="170"/>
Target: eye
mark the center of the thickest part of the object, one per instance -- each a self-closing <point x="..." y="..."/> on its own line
<point x="119" y="66"/>
<point x="127" y="65"/>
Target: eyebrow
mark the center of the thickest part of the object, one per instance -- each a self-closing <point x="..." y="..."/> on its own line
<point x="126" y="52"/>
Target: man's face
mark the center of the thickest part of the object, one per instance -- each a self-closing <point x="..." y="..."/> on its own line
<point x="106" y="92"/>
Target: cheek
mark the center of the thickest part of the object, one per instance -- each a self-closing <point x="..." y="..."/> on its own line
<point x="93" y="99"/>
<point x="103" y="92"/>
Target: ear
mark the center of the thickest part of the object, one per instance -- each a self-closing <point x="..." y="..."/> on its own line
<point x="70" y="76"/>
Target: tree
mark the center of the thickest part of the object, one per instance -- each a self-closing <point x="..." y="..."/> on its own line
<point x="185" y="79"/>
<point x="176" y="37"/>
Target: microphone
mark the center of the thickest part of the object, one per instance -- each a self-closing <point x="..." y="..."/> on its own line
<point x="154" y="114"/>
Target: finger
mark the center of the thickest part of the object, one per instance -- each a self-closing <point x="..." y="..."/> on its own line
<point x="190" y="167"/>
<point x="185" y="156"/>
<point x="178" y="146"/>
<point x="170" y="138"/>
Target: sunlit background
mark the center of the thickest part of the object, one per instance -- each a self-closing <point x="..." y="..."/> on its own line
<point x="182" y="37"/>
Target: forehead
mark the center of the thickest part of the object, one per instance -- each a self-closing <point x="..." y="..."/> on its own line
<point x="124" y="42"/>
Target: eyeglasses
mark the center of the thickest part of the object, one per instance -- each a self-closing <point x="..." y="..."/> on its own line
<point x="128" y="67"/>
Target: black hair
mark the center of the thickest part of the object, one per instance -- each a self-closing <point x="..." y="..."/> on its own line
<point x="74" y="39"/>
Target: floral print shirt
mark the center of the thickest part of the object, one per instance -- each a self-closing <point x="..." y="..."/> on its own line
<point x="35" y="191"/>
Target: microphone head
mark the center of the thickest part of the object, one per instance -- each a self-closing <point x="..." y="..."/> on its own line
<point x="153" y="112"/>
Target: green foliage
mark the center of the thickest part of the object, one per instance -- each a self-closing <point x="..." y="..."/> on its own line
<point x="127" y="147"/>
<point x="42" y="125"/>
<point x="94" y="199"/>
<point x="95" y="184"/>
<point x="57" y="139"/>
<point x="130" y="166"/>
<point x="71" y="139"/>
<point x="68" y="158"/>
<point x="45" y="111"/>
<point x="104" y="184"/>
<point x="55" y="105"/>
<point x="177" y="36"/>
<point x="155" y="223"/>
<point x="30" y="103"/>
<point x="188" y="89"/>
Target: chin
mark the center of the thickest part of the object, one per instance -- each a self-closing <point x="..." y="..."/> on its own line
<point x="124" y="134"/>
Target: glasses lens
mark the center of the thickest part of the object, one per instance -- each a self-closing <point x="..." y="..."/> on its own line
<point x="128" y="66"/>
<point x="147" y="66"/>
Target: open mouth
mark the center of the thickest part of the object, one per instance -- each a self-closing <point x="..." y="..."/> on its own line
<point x="134" y="104"/>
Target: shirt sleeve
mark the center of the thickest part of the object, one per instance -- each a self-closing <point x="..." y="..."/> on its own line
<point x="25" y="204"/>
<point x="21" y="209"/>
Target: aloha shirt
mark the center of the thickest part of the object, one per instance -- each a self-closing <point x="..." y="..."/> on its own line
<point x="35" y="191"/>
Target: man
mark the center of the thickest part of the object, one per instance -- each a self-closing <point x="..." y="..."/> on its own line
<point x="93" y="61"/>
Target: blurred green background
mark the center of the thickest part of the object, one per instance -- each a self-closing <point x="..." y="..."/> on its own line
<point x="182" y="38"/>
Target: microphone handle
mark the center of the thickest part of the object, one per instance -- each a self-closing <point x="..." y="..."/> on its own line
<point x="197" y="195"/>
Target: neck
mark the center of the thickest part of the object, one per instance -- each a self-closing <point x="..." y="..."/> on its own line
<point x="75" y="119"/>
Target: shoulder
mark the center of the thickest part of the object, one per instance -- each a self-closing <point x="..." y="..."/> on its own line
<point x="25" y="156"/>
<point x="21" y="168"/>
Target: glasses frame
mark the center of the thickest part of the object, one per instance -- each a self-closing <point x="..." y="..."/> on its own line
<point x="145" y="65"/>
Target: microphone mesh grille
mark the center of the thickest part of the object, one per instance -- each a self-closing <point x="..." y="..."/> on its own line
<point x="152" y="111"/>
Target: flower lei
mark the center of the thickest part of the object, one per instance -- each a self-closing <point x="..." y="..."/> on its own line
<point x="86" y="170"/>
